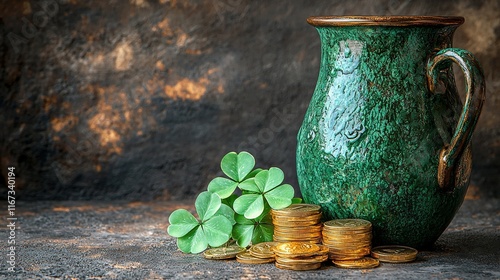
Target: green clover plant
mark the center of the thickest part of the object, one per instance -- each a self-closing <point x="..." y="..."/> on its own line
<point x="213" y="228"/>
<point x="224" y="215"/>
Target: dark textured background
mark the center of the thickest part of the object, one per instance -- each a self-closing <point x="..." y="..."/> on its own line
<point x="140" y="99"/>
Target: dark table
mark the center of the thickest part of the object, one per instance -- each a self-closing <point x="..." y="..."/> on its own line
<point x="123" y="240"/>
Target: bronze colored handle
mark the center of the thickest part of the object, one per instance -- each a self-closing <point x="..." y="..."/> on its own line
<point x="475" y="95"/>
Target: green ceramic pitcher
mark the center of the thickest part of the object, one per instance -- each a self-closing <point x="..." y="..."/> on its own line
<point x="386" y="137"/>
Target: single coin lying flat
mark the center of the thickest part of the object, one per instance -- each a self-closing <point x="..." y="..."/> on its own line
<point x="223" y="253"/>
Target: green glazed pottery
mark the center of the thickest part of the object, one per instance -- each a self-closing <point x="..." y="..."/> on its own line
<point x="386" y="137"/>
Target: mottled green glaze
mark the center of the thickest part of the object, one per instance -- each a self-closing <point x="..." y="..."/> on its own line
<point x="370" y="141"/>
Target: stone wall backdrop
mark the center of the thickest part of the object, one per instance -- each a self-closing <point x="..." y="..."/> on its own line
<point x="140" y="99"/>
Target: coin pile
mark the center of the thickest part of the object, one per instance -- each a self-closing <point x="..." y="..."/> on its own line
<point x="257" y="254"/>
<point x="394" y="254"/>
<point x="263" y="250"/>
<point x="347" y="239"/>
<point x="297" y="223"/>
<point x="300" y="255"/>
<point x="247" y="258"/>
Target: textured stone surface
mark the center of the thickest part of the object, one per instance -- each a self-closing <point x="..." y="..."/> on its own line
<point x="129" y="241"/>
<point x="140" y="99"/>
<point x="374" y="132"/>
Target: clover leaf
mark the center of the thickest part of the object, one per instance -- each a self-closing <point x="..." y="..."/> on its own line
<point x="222" y="186"/>
<point x="238" y="167"/>
<point x="213" y="227"/>
<point x="264" y="189"/>
<point x="253" y="230"/>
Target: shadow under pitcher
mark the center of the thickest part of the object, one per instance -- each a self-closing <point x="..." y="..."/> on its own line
<point x="385" y="137"/>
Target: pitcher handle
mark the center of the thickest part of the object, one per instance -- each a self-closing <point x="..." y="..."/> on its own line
<point x="475" y="95"/>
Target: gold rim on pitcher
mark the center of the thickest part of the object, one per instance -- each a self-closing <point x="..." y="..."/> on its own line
<point x="384" y="20"/>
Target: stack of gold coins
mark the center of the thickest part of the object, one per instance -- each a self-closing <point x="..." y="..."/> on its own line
<point x="297" y="223"/>
<point x="394" y="254"/>
<point x="348" y="239"/>
<point x="247" y="258"/>
<point x="300" y="255"/>
<point x="257" y="254"/>
<point x="263" y="250"/>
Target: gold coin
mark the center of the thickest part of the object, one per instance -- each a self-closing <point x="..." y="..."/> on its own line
<point x="346" y="241"/>
<point x="337" y="256"/>
<point x="307" y="236"/>
<point x="303" y="215"/>
<point x="365" y="262"/>
<point x="350" y="250"/>
<point x="345" y="258"/>
<point x="303" y="223"/>
<point x="394" y="253"/>
<point x="365" y="250"/>
<point x="309" y="216"/>
<point x="299" y="209"/>
<point x="304" y="236"/>
<point x="342" y="232"/>
<point x="302" y="260"/>
<point x="280" y="239"/>
<point x="223" y="253"/>
<point x="315" y="217"/>
<point x="298" y="266"/>
<point x="367" y="237"/>
<point x="247" y="258"/>
<point x="262" y="250"/>
<point x="290" y="228"/>
<point x="353" y="234"/>
<point x="293" y="248"/>
<point x="299" y="234"/>
<point x="348" y="224"/>
<point x="346" y="245"/>
<point x="321" y="250"/>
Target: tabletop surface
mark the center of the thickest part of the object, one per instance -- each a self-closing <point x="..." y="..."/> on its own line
<point x="128" y="240"/>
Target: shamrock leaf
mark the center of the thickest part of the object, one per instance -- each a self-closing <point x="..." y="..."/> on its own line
<point x="222" y="186"/>
<point x="206" y="205"/>
<point x="280" y="197"/>
<point x="214" y="228"/>
<point x="264" y="189"/>
<point x="217" y="230"/>
<point x="193" y="242"/>
<point x="251" y="205"/>
<point x="253" y="230"/>
<point x="253" y="173"/>
<point x="266" y="180"/>
<point x="249" y="185"/>
<point x="227" y="212"/>
<point x="264" y="229"/>
<point x="181" y="222"/>
<point x="243" y="230"/>
<point x="237" y="166"/>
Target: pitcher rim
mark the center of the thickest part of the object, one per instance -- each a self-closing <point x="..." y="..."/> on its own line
<point x="318" y="21"/>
